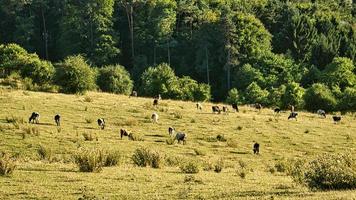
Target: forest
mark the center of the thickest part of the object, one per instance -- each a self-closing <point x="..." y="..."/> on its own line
<point x="273" y="52"/>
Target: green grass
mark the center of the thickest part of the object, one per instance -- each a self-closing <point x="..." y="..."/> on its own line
<point x="280" y="139"/>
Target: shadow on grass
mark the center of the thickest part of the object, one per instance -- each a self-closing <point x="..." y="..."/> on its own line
<point x="254" y="193"/>
<point x="155" y="135"/>
<point x="239" y="152"/>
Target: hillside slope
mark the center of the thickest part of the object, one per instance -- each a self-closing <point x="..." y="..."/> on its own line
<point x="60" y="179"/>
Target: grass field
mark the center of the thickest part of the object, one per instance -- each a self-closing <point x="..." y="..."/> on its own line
<point x="60" y="178"/>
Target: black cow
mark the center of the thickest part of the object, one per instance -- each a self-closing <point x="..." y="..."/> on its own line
<point x="256" y="148"/>
<point x="101" y="123"/>
<point x="155" y="102"/>
<point x="277" y="110"/>
<point x="258" y="106"/>
<point x="57" y="119"/>
<point x="216" y="109"/>
<point x="293" y="115"/>
<point x="235" y="107"/>
<point x="225" y="109"/>
<point x="180" y="136"/>
<point x="336" y="119"/>
<point x="34" y="118"/>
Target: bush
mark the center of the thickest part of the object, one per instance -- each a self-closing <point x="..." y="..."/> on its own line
<point x="41" y="72"/>
<point x="190" y="167"/>
<point x="7" y="164"/>
<point x="328" y="172"/>
<point x="233" y="97"/>
<point x="45" y="153"/>
<point x="90" y="160"/>
<point x="199" y="152"/>
<point x="88" y="137"/>
<point x="318" y="96"/>
<point x="115" y="79"/>
<point x="112" y="158"/>
<point x="348" y="100"/>
<point x="74" y="75"/>
<point x="143" y="157"/>
<point x="219" y="165"/>
<point x="340" y="72"/>
<point x="254" y="94"/>
<point x="293" y="96"/>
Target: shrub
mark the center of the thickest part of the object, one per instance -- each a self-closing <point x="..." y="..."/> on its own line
<point x="115" y="79"/>
<point x="340" y="72"/>
<point x="190" y="167"/>
<point x="7" y="164"/>
<point x="233" y="96"/>
<point x="348" y="99"/>
<point x="319" y="96"/>
<point x="327" y="172"/>
<point x="45" y="153"/>
<point x="199" y="152"/>
<point x="170" y="141"/>
<point x="218" y="166"/>
<point x="254" y="94"/>
<point x="143" y="157"/>
<point x="90" y="160"/>
<point x="112" y="158"/>
<point x="281" y="166"/>
<point x="242" y="164"/>
<point x="242" y="173"/>
<point x="88" y="136"/>
<point x="293" y="95"/>
<point x="74" y="75"/>
<point x="41" y="72"/>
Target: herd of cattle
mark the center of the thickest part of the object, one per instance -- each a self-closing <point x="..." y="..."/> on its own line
<point x="181" y="136"/>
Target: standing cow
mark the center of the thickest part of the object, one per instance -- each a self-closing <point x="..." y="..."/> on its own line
<point x="34" y="118"/>
<point x="57" y="119"/>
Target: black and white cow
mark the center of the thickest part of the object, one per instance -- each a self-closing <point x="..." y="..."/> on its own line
<point x="57" y="119"/>
<point x="293" y="115"/>
<point x="34" y="118"/>
<point x="101" y="123"/>
<point x="256" y="148"/>
<point x="235" y="107"/>
<point x="216" y="109"/>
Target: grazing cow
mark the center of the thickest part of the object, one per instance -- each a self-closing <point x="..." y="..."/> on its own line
<point x="133" y="94"/>
<point x="34" y="118"/>
<point x="154" y="117"/>
<point x="256" y="148"/>
<point x="225" y="109"/>
<point x="199" y="106"/>
<point x="180" y="136"/>
<point x="216" y="109"/>
<point x="258" y="106"/>
<point x="124" y="132"/>
<point x="336" y="119"/>
<point x="170" y="131"/>
<point x="277" y="110"/>
<point x="235" y="107"/>
<point x="322" y="113"/>
<point x="293" y="115"/>
<point x="101" y="123"/>
<point x="155" y="102"/>
<point x="57" y="119"/>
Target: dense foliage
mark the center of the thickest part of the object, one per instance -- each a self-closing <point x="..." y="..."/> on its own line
<point x="271" y="51"/>
<point x="115" y="79"/>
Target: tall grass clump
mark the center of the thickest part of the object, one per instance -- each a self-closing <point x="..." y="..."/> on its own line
<point x="7" y="164"/>
<point x="219" y="166"/>
<point x="143" y="157"/>
<point x="112" y="158"/>
<point x="90" y="160"/>
<point x="44" y="153"/>
<point x="190" y="167"/>
<point x="327" y="172"/>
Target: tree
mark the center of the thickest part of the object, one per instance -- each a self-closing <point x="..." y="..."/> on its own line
<point x="319" y="96"/>
<point x="293" y="96"/>
<point x="115" y="79"/>
<point x="233" y="96"/>
<point x="340" y="73"/>
<point x="74" y="75"/>
<point x="348" y="100"/>
<point x="254" y="94"/>
<point x="246" y="75"/>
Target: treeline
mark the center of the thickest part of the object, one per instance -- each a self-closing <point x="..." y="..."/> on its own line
<point x="275" y="52"/>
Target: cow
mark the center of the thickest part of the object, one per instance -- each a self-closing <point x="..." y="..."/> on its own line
<point x="216" y="109"/>
<point x="170" y="131"/>
<point x="124" y="132"/>
<point x="199" y="106"/>
<point x="321" y="113"/>
<point x="235" y="107"/>
<point x="277" y="110"/>
<point x="133" y="94"/>
<point x="336" y="119"/>
<point x="57" y="119"/>
<point x="101" y="123"/>
<point x="159" y="97"/>
<point x="180" y="136"/>
<point x="256" y="148"/>
<point x="225" y="109"/>
<point x="293" y="115"/>
<point x="154" y="117"/>
<point x="258" y="106"/>
<point x="291" y="107"/>
<point x="34" y="118"/>
<point x="155" y="102"/>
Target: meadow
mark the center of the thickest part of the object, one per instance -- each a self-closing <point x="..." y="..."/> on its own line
<point x="243" y="175"/>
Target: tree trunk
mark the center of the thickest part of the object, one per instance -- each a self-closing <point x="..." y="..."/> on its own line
<point x="45" y="33"/>
<point x="207" y="65"/>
